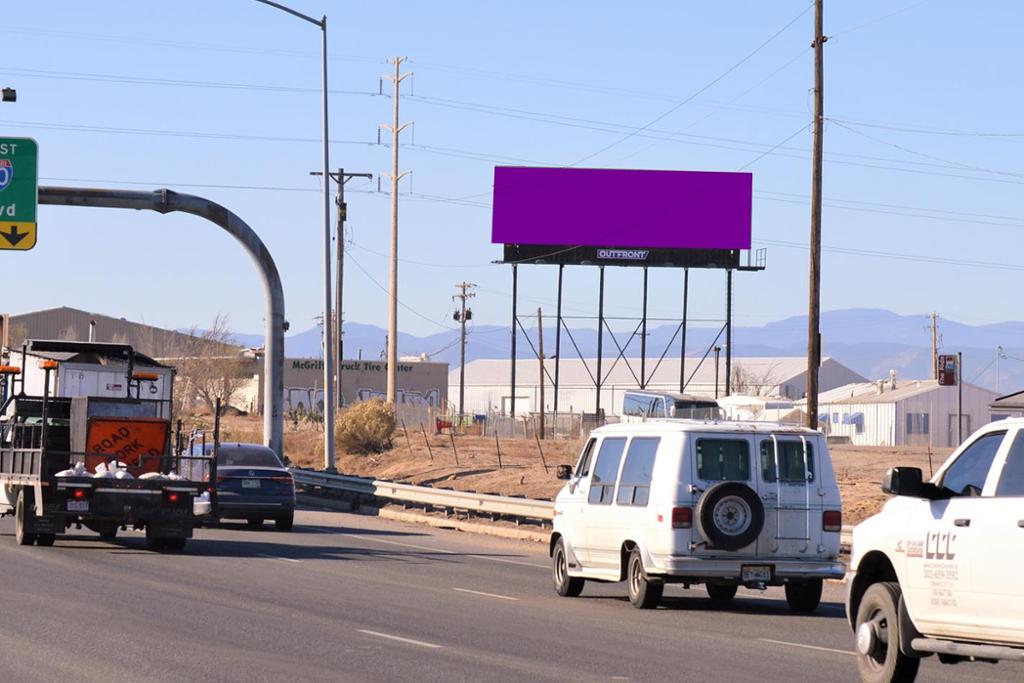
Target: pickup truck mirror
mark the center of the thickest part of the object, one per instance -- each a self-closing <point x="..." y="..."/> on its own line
<point x="563" y="471"/>
<point x="904" y="481"/>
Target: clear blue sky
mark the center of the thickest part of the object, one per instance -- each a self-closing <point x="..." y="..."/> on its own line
<point x="910" y="86"/>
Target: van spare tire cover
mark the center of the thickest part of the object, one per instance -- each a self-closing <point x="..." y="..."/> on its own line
<point x="730" y="515"/>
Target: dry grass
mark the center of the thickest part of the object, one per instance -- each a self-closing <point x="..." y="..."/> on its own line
<point x="859" y="470"/>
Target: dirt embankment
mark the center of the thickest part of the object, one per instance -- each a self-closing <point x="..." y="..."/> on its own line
<point x="430" y="459"/>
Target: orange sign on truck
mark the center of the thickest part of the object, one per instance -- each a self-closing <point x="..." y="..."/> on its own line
<point x="137" y="442"/>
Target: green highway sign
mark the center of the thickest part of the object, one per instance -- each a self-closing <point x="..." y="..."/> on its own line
<point x="19" y="193"/>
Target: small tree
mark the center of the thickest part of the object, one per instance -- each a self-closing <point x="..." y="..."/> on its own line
<point x="207" y="371"/>
<point x="752" y="383"/>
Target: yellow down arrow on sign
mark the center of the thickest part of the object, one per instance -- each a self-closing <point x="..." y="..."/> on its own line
<point x="17" y="236"/>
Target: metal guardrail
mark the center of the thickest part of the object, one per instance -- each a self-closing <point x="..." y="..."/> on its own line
<point x="486" y="503"/>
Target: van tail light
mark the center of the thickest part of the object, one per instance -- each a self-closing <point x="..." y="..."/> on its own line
<point x="682" y="518"/>
<point x="832" y="520"/>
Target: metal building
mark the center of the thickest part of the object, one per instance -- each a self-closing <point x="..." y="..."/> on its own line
<point x="487" y="381"/>
<point x="902" y="413"/>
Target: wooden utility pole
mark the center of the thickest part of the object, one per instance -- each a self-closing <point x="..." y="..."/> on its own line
<point x="540" y="357"/>
<point x="935" y="344"/>
<point x="396" y="129"/>
<point x="814" y="307"/>
<point x="462" y="316"/>
<point x="339" y="274"/>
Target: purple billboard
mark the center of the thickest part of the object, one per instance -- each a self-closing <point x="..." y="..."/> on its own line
<point x="621" y="208"/>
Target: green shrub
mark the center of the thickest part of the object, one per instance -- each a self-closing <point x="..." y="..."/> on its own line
<point x="365" y="427"/>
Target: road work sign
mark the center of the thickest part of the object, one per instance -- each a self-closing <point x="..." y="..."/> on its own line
<point x="19" y="193"/>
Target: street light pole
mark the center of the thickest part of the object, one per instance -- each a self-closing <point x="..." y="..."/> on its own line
<point x="328" y="332"/>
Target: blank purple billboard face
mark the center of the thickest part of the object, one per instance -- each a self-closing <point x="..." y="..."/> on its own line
<point x="599" y="207"/>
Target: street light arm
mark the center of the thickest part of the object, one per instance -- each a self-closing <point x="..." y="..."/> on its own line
<point x="322" y="23"/>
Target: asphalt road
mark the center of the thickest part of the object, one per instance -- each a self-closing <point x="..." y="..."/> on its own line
<point x="354" y="598"/>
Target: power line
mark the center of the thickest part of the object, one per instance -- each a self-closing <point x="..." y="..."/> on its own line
<point x="175" y="82"/>
<point x="686" y="101"/>
<point x="398" y="301"/>
<point x="901" y="257"/>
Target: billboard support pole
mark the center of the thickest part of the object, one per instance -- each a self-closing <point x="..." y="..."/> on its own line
<point x="600" y="339"/>
<point x="682" y="345"/>
<point x="558" y="332"/>
<point x="643" y="337"/>
<point x="728" y="332"/>
<point x="515" y="321"/>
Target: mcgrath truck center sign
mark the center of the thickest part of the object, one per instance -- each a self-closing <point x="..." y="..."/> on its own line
<point x="19" y="193"/>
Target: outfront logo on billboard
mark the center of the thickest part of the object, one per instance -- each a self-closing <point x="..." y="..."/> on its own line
<point x="623" y="254"/>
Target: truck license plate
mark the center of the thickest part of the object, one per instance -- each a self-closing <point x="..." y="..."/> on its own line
<point x="250" y="483"/>
<point x="756" y="573"/>
<point x="78" y="506"/>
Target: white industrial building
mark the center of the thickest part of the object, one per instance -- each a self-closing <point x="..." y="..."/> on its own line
<point x="488" y="381"/>
<point x="1011" y="405"/>
<point x="902" y="413"/>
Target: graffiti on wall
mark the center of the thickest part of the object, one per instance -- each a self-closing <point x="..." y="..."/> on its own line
<point x="306" y="400"/>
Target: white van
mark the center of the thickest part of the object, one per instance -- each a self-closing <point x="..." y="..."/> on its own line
<point x="642" y="405"/>
<point x="683" y="501"/>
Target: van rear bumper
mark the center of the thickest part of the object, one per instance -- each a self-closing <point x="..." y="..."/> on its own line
<point x="784" y="570"/>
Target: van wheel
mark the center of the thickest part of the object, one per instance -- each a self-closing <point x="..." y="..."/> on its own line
<point x="721" y="592"/>
<point x="643" y="592"/>
<point x="565" y="585"/>
<point x="879" y="659"/>
<point x="805" y="596"/>
<point x="20" y="535"/>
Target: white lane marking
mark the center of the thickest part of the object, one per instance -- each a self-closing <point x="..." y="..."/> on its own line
<point x="410" y="641"/>
<point x="275" y="557"/>
<point x="486" y="595"/>
<point x="370" y="537"/>
<point x="808" y="647"/>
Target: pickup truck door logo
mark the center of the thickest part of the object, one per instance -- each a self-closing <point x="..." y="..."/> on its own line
<point x="938" y="545"/>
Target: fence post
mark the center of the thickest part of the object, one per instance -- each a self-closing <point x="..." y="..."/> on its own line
<point x="541" y="451"/>
<point x="455" y="451"/>
<point x="427" y="441"/>
<point x="497" y="444"/>
<point x="407" y="440"/>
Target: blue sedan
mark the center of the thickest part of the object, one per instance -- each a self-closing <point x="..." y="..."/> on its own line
<point x="253" y="484"/>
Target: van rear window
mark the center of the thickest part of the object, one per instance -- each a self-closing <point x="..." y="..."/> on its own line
<point x="723" y="460"/>
<point x="791" y="461"/>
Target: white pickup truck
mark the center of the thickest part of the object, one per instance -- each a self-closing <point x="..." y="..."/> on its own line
<point x="938" y="570"/>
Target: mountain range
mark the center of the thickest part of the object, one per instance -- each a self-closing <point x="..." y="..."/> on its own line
<point x="869" y="341"/>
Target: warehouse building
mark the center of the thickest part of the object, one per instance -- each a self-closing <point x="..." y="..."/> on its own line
<point x="488" y="381"/>
<point x="1011" y="405"/>
<point x="902" y="413"/>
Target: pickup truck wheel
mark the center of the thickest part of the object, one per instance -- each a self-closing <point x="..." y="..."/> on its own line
<point x="24" y="499"/>
<point x="285" y="523"/>
<point x="720" y="592"/>
<point x="643" y="593"/>
<point x="879" y="659"/>
<point x="46" y="540"/>
<point x="565" y="585"/>
<point x="805" y="596"/>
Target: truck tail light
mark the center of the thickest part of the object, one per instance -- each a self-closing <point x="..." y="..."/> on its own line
<point x="832" y="520"/>
<point x="682" y="518"/>
<point x="79" y="494"/>
<point x="173" y="497"/>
